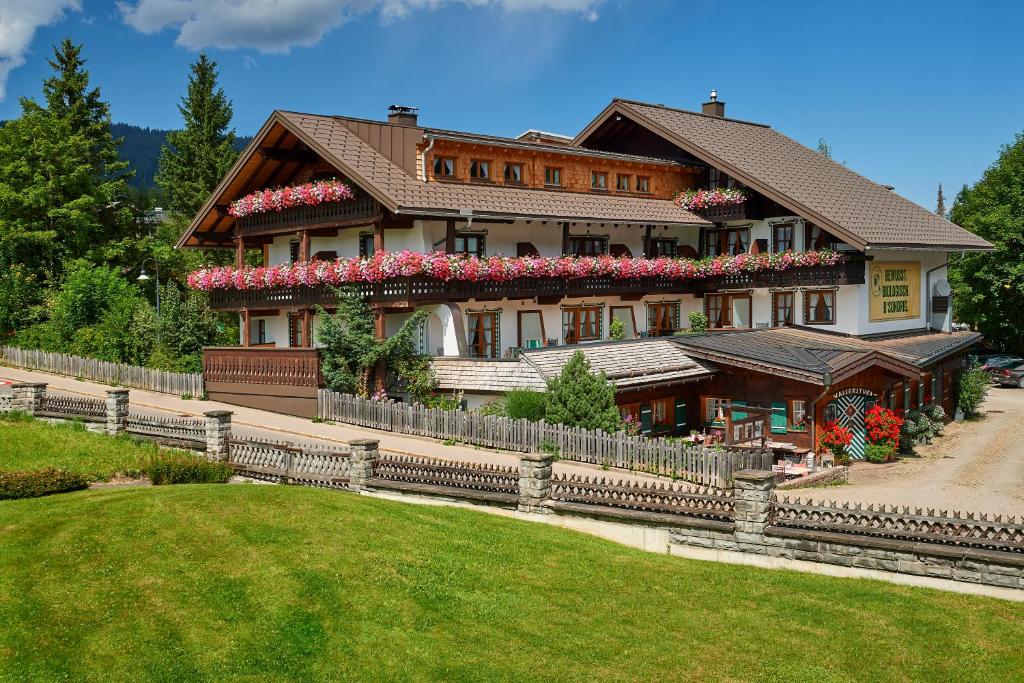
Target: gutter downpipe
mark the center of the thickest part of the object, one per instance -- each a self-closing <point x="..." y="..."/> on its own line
<point x="826" y="380"/>
<point x="426" y="152"/>
<point x="928" y="295"/>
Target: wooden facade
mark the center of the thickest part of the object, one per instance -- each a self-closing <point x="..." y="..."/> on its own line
<point x="740" y="387"/>
<point x="623" y="177"/>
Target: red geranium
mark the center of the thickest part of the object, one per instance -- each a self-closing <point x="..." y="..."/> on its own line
<point x="883" y="426"/>
<point x="835" y="436"/>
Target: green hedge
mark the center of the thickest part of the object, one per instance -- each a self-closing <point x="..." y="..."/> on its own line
<point x="176" y="467"/>
<point x="40" y="482"/>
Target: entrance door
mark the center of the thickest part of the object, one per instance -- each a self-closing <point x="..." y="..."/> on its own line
<point x="849" y="410"/>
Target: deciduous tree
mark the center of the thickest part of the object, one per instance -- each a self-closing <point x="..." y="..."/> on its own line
<point x="988" y="288"/>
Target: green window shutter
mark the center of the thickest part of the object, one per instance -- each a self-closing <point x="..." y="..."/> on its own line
<point x="920" y="394"/>
<point x="680" y="414"/>
<point x="779" y="417"/>
<point x="906" y="396"/>
<point x="646" y="420"/>
<point x="738" y="414"/>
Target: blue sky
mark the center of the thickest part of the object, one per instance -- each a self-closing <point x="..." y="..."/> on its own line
<point x="907" y="93"/>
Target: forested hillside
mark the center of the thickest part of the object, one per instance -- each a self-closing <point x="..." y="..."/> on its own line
<point x="140" y="147"/>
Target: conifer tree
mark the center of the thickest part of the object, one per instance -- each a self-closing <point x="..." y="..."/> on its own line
<point x="197" y="157"/>
<point x="62" y="185"/>
<point x="940" y="204"/>
<point x="579" y="398"/>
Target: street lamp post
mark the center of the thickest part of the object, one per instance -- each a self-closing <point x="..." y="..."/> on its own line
<point x="144" y="277"/>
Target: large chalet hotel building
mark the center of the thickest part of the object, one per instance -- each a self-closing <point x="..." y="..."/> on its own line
<point x="793" y="327"/>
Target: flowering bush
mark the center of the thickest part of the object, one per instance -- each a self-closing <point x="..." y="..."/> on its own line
<point x="631" y="425"/>
<point x="702" y="199"/>
<point x="310" y="194"/>
<point x="883" y="426"/>
<point x="836" y="438"/>
<point x="388" y="265"/>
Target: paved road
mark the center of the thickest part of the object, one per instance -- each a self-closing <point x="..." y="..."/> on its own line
<point x="976" y="465"/>
<point x="261" y="424"/>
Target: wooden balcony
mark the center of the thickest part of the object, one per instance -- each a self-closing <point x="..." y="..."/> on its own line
<point x="278" y="380"/>
<point x="362" y="209"/>
<point x="419" y="290"/>
<point x="750" y="210"/>
<point x="262" y="365"/>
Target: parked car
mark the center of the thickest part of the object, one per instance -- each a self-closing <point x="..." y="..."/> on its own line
<point x="993" y="364"/>
<point x="1012" y="376"/>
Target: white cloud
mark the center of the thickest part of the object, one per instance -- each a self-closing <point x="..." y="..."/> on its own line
<point x="19" y="21"/>
<point x="277" y="26"/>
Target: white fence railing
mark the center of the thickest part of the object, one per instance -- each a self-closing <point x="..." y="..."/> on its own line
<point x="672" y="457"/>
<point x="119" y="374"/>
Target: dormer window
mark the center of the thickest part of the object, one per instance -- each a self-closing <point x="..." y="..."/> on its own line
<point x="514" y="174"/>
<point x="622" y="183"/>
<point x="479" y="170"/>
<point x="552" y="176"/>
<point x="598" y="180"/>
<point x="643" y="183"/>
<point x="444" y="167"/>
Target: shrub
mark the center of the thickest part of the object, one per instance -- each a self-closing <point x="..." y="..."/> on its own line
<point x="178" y="467"/>
<point x="493" y="408"/>
<point x="617" y="330"/>
<point x="879" y="452"/>
<point x="41" y="482"/>
<point x="698" y="322"/>
<point x="971" y="388"/>
<point x="579" y="398"/>
<point x="525" y="404"/>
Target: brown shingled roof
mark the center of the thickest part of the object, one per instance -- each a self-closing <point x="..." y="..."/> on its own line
<point x="402" y="193"/>
<point x="859" y="210"/>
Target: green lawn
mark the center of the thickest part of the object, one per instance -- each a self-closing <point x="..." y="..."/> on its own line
<point x="27" y="444"/>
<point x="275" y="583"/>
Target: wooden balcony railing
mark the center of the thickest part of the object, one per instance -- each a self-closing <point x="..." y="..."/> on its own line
<point x="362" y="208"/>
<point x="262" y="365"/>
<point x="420" y="290"/>
<point x="749" y="210"/>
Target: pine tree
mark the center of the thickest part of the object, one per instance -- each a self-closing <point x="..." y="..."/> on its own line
<point x="62" y="185"/>
<point x="196" y="158"/>
<point x="940" y="204"/>
<point x="579" y="398"/>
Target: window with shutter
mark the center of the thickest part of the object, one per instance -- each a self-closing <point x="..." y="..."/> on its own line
<point x="680" y="411"/>
<point x="779" y="417"/>
<point x="646" y="420"/>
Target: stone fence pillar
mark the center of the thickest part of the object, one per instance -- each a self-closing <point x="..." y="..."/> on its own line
<point x="364" y="456"/>
<point x="534" y="481"/>
<point x="117" y="411"/>
<point x="752" y="495"/>
<point x="218" y="431"/>
<point x="27" y="397"/>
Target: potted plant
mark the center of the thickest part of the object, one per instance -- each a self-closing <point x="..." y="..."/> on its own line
<point x="836" y="438"/>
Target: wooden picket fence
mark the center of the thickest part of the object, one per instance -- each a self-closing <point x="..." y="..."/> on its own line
<point x="118" y="374"/>
<point x="671" y="457"/>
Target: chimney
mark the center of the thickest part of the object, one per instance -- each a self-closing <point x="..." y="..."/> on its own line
<point x="713" y="107"/>
<point x="403" y="116"/>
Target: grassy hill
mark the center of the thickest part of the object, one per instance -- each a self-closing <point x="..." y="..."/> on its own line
<point x="249" y="582"/>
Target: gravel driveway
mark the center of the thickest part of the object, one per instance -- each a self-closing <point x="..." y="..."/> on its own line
<point x="976" y="465"/>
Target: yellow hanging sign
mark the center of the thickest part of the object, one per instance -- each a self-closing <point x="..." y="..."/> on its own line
<point x="895" y="292"/>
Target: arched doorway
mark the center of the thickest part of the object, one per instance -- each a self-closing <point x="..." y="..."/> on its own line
<point x="848" y="408"/>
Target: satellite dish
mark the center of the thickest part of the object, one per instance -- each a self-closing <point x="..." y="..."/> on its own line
<point x="942" y="288"/>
